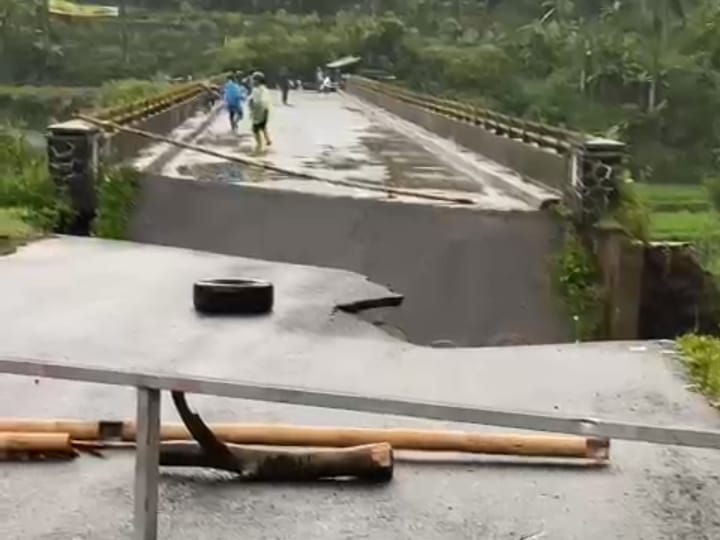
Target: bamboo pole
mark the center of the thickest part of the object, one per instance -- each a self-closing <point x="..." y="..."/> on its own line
<point x="400" y="439"/>
<point x="76" y="429"/>
<point x="24" y="444"/>
<point x="270" y="167"/>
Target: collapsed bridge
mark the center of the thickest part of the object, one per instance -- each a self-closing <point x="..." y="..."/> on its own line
<point x="394" y="162"/>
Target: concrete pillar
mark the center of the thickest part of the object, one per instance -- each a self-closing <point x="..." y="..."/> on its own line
<point x="73" y="160"/>
<point x="596" y="172"/>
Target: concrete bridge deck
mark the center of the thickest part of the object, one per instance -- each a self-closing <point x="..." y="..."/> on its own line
<point x="125" y="305"/>
<point x="340" y="137"/>
<point x="476" y="274"/>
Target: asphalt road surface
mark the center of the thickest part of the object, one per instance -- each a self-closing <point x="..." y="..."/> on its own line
<point x="125" y="305"/>
<point x="339" y="137"/>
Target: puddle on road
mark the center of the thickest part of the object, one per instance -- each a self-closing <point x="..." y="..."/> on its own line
<point x="231" y="173"/>
<point x="382" y="157"/>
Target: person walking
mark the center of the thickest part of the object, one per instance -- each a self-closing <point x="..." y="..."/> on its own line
<point x="284" y="83"/>
<point x="260" y="111"/>
<point x="234" y="96"/>
<point x="319" y="78"/>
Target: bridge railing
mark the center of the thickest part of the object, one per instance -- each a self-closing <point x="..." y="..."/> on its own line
<point x="143" y="108"/>
<point x="555" y="138"/>
<point x="583" y="169"/>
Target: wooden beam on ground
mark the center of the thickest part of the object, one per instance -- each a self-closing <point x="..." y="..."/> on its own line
<point x="342" y="437"/>
<point x="369" y="463"/>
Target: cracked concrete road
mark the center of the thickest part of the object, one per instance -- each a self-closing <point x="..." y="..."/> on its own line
<point x="127" y="305"/>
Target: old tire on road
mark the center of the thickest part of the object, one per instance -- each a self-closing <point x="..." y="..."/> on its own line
<point x="233" y="296"/>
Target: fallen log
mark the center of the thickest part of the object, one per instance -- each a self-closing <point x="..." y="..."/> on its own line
<point x="284" y="435"/>
<point x="36" y="446"/>
<point x="372" y="463"/>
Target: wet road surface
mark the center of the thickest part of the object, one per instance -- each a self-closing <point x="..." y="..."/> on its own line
<point x="341" y="138"/>
<point x="129" y="306"/>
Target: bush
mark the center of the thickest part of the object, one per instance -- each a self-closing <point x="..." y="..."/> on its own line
<point x="116" y="195"/>
<point x="25" y="182"/>
<point x="632" y="214"/>
<point x="36" y="107"/>
<point x="577" y="278"/>
<point x="702" y="357"/>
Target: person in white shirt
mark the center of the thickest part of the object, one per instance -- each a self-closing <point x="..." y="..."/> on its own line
<point x="260" y="111"/>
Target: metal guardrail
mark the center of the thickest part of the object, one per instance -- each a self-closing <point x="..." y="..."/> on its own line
<point x="554" y="138"/>
<point x="149" y="386"/>
<point x="143" y="108"/>
<point x="136" y="110"/>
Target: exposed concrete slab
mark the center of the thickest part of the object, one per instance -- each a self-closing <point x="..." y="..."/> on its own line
<point x="469" y="276"/>
<point x="125" y="305"/>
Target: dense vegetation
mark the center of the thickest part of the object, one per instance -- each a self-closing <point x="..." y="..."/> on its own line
<point x="645" y="71"/>
<point x="29" y="201"/>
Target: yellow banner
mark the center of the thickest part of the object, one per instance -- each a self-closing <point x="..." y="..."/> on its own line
<point x="66" y="8"/>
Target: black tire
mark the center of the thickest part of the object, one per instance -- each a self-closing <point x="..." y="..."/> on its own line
<point x="233" y="296"/>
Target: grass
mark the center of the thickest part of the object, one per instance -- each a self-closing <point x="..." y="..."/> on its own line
<point x="14" y="230"/>
<point x="673" y="197"/>
<point x="35" y="107"/>
<point x="683" y="226"/>
<point x="681" y="213"/>
<point x="702" y="357"/>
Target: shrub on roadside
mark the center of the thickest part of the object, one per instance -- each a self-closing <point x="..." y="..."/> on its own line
<point x="702" y="357"/>
<point x="577" y="279"/>
<point x="116" y="195"/>
<point x="25" y="182"/>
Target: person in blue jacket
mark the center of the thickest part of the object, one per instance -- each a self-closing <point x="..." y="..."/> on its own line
<point x="234" y="96"/>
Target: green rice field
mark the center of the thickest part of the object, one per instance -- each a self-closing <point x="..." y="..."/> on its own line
<point x="679" y="212"/>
